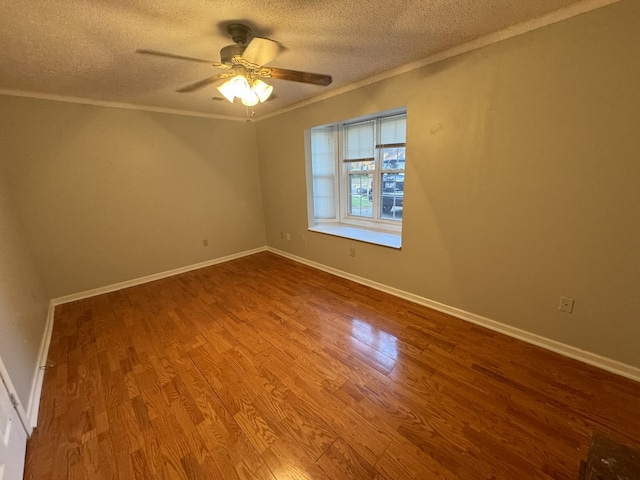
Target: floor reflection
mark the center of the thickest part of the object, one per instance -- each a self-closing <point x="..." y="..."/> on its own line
<point x="385" y="344"/>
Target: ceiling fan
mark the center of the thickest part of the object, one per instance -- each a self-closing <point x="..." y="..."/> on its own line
<point x="244" y="65"/>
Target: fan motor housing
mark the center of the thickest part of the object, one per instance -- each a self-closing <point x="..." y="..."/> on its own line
<point x="239" y="33"/>
<point x="230" y="51"/>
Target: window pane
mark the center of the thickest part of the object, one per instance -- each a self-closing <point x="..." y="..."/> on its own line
<point x="351" y="158"/>
<point x="323" y="166"/>
<point x="359" y="200"/>
<point x="359" y="140"/>
<point x="393" y="130"/>
<point x="322" y="151"/>
<point x="392" y="197"/>
<point x="393" y="158"/>
<point x="323" y="197"/>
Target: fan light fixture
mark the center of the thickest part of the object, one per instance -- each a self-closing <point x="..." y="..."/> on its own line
<point x="248" y="93"/>
<point x="243" y="66"/>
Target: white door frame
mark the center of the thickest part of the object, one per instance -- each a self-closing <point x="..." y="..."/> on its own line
<point x="13" y="431"/>
<point x="15" y="400"/>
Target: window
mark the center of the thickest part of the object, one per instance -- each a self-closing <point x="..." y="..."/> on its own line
<point x="357" y="171"/>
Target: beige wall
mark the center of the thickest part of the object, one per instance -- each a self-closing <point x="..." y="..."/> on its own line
<point x="108" y="195"/>
<point x="523" y="170"/>
<point x="522" y="185"/>
<point x="23" y="302"/>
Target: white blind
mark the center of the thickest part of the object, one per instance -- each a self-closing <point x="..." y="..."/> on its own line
<point x="323" y="170"/>
<point x="393" y="130"/>
<point x="359" y="141"/>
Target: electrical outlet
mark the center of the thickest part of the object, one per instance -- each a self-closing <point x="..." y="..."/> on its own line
<point x="352" y="252"/>
<point x="205" y="242"/>
<point x="288" y="236"/>
<point x="566" y="304"/>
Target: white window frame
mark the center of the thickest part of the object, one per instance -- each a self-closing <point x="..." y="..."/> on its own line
<point x="354" y="226"/>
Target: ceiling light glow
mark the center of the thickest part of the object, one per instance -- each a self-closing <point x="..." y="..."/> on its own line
<point x="250" y="92"/>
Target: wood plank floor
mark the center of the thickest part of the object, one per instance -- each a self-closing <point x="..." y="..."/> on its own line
<point x="265" y="368"/>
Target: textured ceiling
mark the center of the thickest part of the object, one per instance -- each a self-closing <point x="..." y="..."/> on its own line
<point x="86" y="48"/>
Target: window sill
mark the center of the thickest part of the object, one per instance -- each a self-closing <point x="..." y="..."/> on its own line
<point x="392" y="240"/>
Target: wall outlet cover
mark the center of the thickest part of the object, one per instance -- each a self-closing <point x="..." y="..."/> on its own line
<point x="566" y="304"/>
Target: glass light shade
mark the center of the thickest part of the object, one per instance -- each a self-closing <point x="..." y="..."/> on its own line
<point x="262" y="90"/>
<point x="240" y="86"/>
<point x="250" y="99"/>
<point x="227" y="90"/>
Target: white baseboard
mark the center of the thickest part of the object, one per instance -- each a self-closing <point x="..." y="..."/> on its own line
<point x="150" y="278"/>
<point x="30" y="418"/>
<point x="584" y="356"/>
<point x="38" y="377"/>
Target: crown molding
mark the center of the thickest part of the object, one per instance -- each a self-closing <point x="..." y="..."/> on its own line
<point x="108" y="104"/>
<point x="560" y="15"/>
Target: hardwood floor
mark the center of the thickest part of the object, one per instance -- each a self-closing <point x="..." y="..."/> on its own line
<point x="265" y="368"/>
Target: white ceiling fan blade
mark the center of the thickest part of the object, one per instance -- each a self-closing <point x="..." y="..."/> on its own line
<point x="261" y="51"/>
